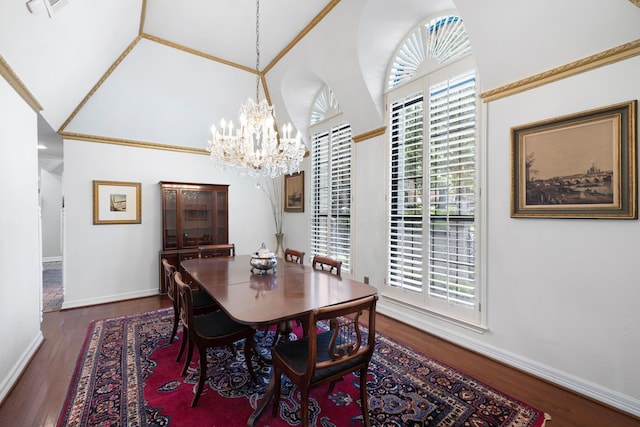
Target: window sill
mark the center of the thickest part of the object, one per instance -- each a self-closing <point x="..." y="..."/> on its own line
<point x="418" y="315"/>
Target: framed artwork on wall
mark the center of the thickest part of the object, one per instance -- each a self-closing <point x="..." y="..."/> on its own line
<point x="294" y="192"/>
<point x="577" y="166"/>
<point x="116" y="202"/>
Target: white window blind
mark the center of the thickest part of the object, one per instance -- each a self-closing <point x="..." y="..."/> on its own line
<point x="452" y="124"/>
<point x="405" y="193"/>
<point x="331" y="202"/>
<point x="432" y="158"/>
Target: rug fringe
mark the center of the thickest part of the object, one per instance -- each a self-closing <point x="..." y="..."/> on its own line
<point x="547" y="417"/>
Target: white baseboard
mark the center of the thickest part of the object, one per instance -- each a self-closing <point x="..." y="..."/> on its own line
<point x="16" y="370"/>
<point x="579" y="385"/>
<point x="109" y="298"/>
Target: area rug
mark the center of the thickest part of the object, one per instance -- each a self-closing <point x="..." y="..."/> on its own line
<point x="126" y="375"/>
<point x="52" y="292"/>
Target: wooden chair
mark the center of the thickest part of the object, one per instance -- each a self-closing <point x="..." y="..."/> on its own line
<point x="292" y="255"/>
<point x="325" y="357"/>
<point x="209" y="330"/>
<point x="221" y="249"/>
<point x="202" y="303"/>
<point x="327" y="264"/>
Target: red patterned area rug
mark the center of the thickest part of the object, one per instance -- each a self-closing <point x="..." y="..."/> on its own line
<point x="126" y="375"/>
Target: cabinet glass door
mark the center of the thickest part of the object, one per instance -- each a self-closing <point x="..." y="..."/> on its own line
<point x="221" y="217"/>
<point x="170" y="219"/>
<point x="197" y="217"/>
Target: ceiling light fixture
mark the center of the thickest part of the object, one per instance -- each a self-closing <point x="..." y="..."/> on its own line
<point x="256" y="148"/>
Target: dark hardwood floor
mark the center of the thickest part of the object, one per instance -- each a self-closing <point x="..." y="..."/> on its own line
<point x="37" y="398"/>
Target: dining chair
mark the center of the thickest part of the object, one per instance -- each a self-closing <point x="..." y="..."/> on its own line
<point x="335" y="347"/>
<point x="202" y="303"/>
<point x="220" y="249"/>
<point x="293" y="255"/>
<point x="327" y="264"/>
<point x="214" y="329"/>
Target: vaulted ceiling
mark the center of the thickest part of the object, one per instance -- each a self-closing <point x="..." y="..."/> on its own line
<point x="160" y="72"/>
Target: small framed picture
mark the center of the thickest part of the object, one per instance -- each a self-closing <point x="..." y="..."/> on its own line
<point x="294" y="192"/>
<point x="577" y="166"/>
<point x="116" y="202"/>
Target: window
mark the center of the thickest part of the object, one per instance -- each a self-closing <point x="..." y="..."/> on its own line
<point x="331" y="187"/>
<point x="432" y="187"/>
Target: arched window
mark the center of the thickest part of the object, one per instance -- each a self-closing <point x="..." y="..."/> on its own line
<point x="330" y="180"/>
<point x="432" y="171"/>
<point x="325" y="106"/>
<point x="435" y="42"/>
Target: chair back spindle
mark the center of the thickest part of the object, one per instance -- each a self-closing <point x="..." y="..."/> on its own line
<point x="292" y="255"/>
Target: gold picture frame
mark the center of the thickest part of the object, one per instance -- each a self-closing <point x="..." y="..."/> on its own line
<point x="116" y="202"/>
<point x="294" y="192"/>
<point x="576" y="166"/>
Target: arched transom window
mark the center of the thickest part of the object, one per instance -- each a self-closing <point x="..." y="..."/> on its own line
<point x="431" y="44"/>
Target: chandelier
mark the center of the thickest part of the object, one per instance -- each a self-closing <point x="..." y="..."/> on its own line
<point x="255" y="148"/>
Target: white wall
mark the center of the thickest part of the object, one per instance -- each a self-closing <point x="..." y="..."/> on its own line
<point x="564" y="292"/>
<point x="51" y="211"/>
<point x="19" y="246"/>
<point x="562" y="295"/>
<point x="113" y="262"/>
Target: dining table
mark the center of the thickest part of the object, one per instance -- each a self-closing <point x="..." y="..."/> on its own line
<point x="260" y="299"/>
<point x="289" y="292"/>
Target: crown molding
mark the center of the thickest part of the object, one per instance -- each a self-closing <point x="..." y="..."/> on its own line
<point x="319" y="17"/>
<point x="137" y="144"/>
<point x="14" y="81"/>
<point x="143" y="17"/>
<point x="606" y="57"/>
<point x="370" y="134"/>
<point x="196" y="52"/>
<point x="99" y="83"/>
<point x="131" y="143"/>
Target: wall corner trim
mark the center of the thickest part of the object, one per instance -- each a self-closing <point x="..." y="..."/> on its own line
<point x="14" y="81"/>
<point x="370" y="134"/>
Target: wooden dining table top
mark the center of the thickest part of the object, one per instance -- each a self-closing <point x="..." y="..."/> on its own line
<point x="290" y="292"/>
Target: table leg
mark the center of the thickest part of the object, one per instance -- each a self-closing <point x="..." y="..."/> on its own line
<point x="283" y="330"/>
<point x="257" y="413"/>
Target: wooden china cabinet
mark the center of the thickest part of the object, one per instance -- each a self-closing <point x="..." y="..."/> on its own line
<point x="192" y="215"/>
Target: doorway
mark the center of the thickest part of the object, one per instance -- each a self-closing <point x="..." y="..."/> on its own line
<point x="50" y="162"/>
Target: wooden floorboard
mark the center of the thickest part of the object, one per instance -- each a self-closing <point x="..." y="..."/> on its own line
<point x="37" y="398"/>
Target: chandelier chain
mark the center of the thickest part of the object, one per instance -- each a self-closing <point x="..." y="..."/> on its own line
<point x="257" y="49"/>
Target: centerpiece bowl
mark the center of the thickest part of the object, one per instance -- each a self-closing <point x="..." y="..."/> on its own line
<point x="263" y="260"/>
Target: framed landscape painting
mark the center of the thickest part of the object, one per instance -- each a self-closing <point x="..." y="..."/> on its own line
<point x="116" y="202"/>
<point x="294" y="192"/>
<point x="577" y="166"/>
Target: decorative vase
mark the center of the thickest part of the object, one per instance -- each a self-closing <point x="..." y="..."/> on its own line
<point x="279" y="247"/>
